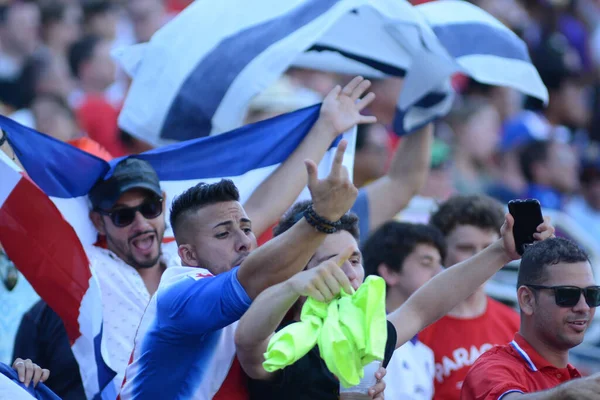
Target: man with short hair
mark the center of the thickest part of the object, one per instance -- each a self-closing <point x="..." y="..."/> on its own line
<point x="406" y="256"/>
<point x="558" y="298"/>
<point x="470" y="224"/>
<point x="185" y="347"/>
<point x="425" y="306"/>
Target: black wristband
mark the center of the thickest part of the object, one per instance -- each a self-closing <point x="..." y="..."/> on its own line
<point x="319" y="223"/>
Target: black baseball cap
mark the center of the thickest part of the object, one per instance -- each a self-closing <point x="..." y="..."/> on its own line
<point x="131" y="173"/>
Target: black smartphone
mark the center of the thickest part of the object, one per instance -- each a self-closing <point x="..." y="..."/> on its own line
<point x="528" y="216"/>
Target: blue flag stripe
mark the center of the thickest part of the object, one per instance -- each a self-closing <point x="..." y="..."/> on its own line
<point x="234" y="153"/>
<point x="468" y="39"/>
<point x="66" y="172"/>
<point x="191" y="112"/>
<point x="58" y="168"/>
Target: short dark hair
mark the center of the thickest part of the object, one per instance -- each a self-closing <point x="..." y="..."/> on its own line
<point x="548" y="252"/>
<point x="93" y="8"/>
<point x="53" y="12"/>
<point x="477" y="210"/>
<point x="349" y="221"/>
<point x="532" y="153"/>
<point x="201" y="195"/>
<point x="82" y="51"/>
<point x="391" y="243"/>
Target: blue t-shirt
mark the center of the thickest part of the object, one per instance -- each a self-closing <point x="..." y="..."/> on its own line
<point x="185" y="343"/>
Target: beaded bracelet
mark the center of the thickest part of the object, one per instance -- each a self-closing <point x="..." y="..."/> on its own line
<point x="319" y="223"/>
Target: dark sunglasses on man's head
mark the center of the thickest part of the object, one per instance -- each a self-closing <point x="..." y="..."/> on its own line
<point x="568" y="296"/>
<point x="122" y="217"/>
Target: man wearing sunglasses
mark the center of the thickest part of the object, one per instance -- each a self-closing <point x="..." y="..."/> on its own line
<point x="557" y="297"/>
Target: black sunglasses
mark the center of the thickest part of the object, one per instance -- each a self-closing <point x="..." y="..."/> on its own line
<point x="122" y="217"/>
<point x="568" y="296"/>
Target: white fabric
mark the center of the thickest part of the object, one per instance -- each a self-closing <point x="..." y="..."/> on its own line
<point x="124" y="300"/>
<point x="11" y="391"/>
<point x="410" y="373"/>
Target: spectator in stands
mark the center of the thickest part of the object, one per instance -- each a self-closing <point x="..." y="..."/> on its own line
<point x="371" y="156"/>
<point x="557" y="298"/>
<point x="560" y="69"/>
<point x="42" y="337"/>
<point x="475" y="125"/>
<point x="406" y="256"/>
<point x="100" y="19"/>
<point x="61" y="26"/>
<point x="585" y="208"/>
<point x="19" y="25"/>
<point x="92" y="65"/>
<point x="470" y="224"/>
<point x="54" y="117"/>
<point x="551" y="170"/>
<point x="309" y="376"/>
<point x="435" y="298"/>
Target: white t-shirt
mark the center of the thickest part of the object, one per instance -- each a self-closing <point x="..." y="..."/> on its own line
<point x="410" y="373"/>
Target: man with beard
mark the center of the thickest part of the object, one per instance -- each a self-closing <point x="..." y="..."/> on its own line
<point x="557" y="298"/>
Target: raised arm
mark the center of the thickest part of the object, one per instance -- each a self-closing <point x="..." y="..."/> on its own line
<point x="442" y="293"/>
<point x="266" y="313"/>
<point x="340" y="111"/>
<point x="288" y="253"/>
<point x="388" y="195"/>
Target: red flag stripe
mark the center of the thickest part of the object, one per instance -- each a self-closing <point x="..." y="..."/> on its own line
<point x="46" y="250"/>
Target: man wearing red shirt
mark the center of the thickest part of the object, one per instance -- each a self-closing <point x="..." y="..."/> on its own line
<point x="470" y="224"/>
<point x="557" y="296"/>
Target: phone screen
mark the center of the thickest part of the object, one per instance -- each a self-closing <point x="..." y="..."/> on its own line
<point x="528" y="216"/>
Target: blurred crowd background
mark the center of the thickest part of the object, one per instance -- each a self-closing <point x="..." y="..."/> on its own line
<point x="57" y="76"/>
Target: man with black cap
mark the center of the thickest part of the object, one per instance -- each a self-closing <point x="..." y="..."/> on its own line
<point x="127" y="210"/>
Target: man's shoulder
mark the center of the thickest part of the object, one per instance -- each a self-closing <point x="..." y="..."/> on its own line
<point x="499" y="357"/>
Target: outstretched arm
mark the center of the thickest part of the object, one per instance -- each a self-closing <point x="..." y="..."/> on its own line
<point x="388" y="195"/>
<point x="288" y="253"/>
<point x="340" y="111"/>
<point x="442" y="293"/>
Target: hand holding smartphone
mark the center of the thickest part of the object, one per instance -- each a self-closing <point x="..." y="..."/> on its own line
<point x="528" y="216"/>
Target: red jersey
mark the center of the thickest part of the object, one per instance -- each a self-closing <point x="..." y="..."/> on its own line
<point x="458" y="342"/>
<point x="513" y="368"/>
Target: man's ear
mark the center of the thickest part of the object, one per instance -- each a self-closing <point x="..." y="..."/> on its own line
<point x="164" y="205"/>
<point x="98" y="222"/>
<point x="187" y="255"/>
<point x="526" y="299"/>
<point x="390" y="276"/>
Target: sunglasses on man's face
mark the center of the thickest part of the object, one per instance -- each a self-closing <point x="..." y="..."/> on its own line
<point x="568" y="296"/>
<point x="122" y="217"/>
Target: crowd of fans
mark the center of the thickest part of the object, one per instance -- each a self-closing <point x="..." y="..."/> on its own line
<point x="57" y="76"/>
